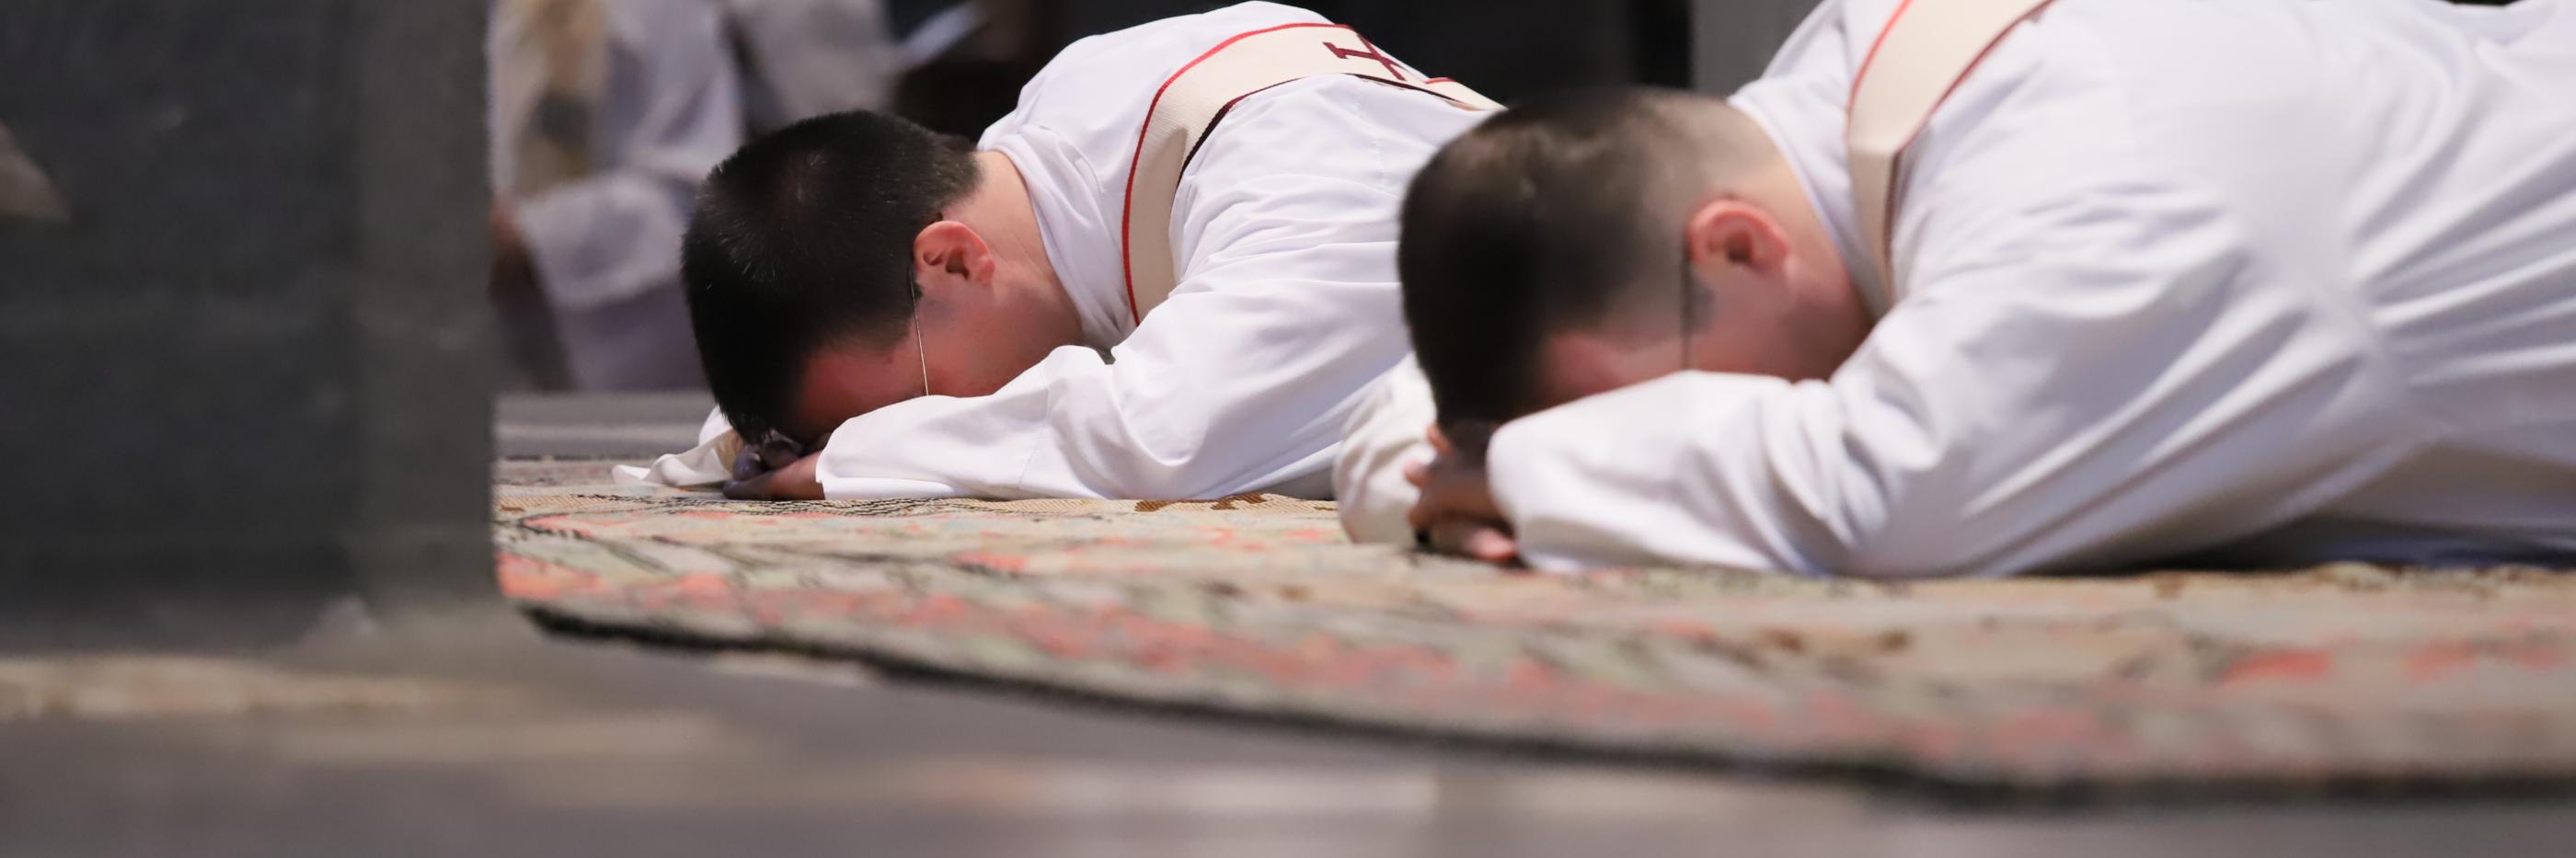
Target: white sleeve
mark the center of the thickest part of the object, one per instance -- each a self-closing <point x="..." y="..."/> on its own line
<point x="1386" y="433"/>
<point x="1224" y="389"/>
<point x="702" y="466"/>
<point x="670" y="112"/>
<point x="2113" y="378"/>
<point x="1240" y="381"/>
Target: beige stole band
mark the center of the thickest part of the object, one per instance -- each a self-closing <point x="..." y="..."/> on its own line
<point x="1926" y="50"/>
<point x="1196" y="98"/>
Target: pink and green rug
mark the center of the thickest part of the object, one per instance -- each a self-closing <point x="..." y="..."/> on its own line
<point x="1257" y="605"/>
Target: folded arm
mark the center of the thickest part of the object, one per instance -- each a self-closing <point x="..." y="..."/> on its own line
<point x="1239" y="381"/>
<point x="1386" y="433"/>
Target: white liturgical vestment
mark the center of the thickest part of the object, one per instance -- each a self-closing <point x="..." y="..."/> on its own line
<point x="2254" y="282"/>
<point x="1283" y="231"/>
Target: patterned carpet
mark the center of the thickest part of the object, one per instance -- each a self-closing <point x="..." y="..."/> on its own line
<point x="1257" y="605"/>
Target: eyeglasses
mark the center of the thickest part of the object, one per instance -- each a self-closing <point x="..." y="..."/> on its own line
<point x="1690" y="284"/>
<point x="774" y="443"/>
<point x="920" y="350"/>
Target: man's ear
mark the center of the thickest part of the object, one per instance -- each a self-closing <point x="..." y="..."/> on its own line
<point x="1731" y="232"/>
<point x="950" y="252"/>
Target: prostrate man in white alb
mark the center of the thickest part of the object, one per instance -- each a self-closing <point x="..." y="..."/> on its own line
<point x="1166" y="275"/>
<point x="2255" y="282"/>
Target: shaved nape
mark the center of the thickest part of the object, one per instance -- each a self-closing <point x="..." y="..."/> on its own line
<point x="1565" y="212"/>
<point x="1726" y="144"/>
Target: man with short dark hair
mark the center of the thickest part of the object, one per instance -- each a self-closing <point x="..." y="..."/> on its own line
<point x="1168" y="274"/>
<point x="799" y="262"/>
<point x="2253" y="282"/>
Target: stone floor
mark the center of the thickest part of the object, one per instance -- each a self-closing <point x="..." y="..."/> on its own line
<point x="474" y="735"/>
<point x="591" y="425"/>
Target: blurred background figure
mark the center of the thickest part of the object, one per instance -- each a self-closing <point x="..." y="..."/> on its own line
<point x="606" y="114"/>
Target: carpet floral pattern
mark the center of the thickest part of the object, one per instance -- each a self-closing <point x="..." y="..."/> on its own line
<point x="1257" y="604"/>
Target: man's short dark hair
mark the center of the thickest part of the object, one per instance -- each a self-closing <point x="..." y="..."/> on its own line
<point x="803" y="240"/>
<point x="1564" y="212"/>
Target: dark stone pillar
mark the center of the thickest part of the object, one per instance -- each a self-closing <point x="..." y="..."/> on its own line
<point x="245" y="379"/>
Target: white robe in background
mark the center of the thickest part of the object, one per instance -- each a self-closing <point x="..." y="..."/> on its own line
<point x="676" y="99"/>
<point x="1284" y="227"/>
<point x="2259" y="281"/>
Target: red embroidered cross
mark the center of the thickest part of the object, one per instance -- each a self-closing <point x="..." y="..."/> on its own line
<point x="1369" y="52"/>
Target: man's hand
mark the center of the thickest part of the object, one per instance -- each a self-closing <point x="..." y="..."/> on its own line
<point x="793" y="480"/>
<point x="1457" y="509"/>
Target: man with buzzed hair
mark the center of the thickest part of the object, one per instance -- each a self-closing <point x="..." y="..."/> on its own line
<point x="2248" y="283"/>
<point x="1167" y="274"/>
